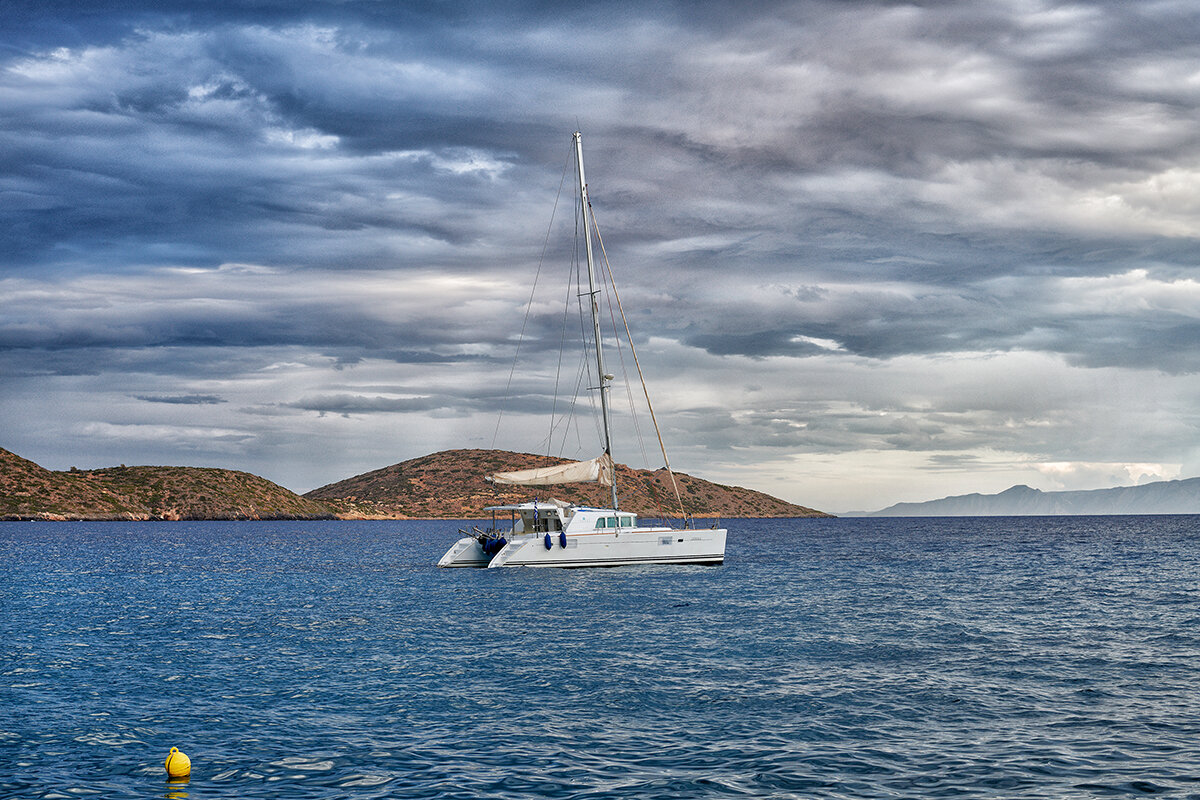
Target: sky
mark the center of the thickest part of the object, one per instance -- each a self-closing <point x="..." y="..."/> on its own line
<point x="871" y="252"/>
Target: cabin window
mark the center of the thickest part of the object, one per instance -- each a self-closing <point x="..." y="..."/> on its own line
<point x="614" y="522"/>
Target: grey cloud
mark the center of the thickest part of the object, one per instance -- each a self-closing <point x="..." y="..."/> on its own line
<point x="447" y="402"/>
<point x="182" y="399"/>
<point x="951" y="462"/>
<point x="354" y="404"/>
<point x="1031" y="312"/>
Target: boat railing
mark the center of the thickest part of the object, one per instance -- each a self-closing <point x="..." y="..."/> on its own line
<point x="477" y="531"/>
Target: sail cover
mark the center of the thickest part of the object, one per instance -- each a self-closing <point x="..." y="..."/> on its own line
<point x="598" y="470"/>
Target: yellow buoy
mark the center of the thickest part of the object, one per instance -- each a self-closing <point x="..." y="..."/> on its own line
<point x="178" y="764"/>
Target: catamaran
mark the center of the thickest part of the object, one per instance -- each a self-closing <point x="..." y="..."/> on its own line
<point x="558" y="534"/>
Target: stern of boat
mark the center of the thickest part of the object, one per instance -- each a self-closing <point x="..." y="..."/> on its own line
<point x="466" y="552"/>
<point x="509" y="551"/>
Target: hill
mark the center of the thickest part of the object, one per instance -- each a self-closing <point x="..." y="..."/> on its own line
<point x="29" y="491"/>
<point x="1160" y="497"/>
<point x="451" y="485"/>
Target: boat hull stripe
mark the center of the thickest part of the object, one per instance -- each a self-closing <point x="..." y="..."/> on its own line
<point x="712" y="558"/>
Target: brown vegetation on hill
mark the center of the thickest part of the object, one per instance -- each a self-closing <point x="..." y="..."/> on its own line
<point x="446" y="485"/>
<point x="451" y="485"/>
<point x="28" y="491"/>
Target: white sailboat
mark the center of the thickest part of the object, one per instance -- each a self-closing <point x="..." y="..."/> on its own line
<point x="558" y="534"/>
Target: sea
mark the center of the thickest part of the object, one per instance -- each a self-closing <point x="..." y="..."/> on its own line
<point x="1040" y="657"/>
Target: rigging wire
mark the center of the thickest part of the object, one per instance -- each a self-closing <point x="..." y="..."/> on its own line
<point x="562" y="348"/>
<point x="566" y="419"/>
<point x="633" y="414"/>
<point x="529" y="306"/>
<point x="641" y="376"/>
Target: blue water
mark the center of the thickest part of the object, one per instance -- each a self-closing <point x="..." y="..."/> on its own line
<point x="1018" y="657"/>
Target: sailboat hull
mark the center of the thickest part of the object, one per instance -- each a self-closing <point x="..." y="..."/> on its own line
<point x="600" y="549"/>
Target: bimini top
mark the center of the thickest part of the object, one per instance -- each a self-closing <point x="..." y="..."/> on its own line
<point x="555" y="515"/>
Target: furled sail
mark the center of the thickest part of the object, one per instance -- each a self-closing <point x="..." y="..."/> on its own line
<point x="598" y="470"/>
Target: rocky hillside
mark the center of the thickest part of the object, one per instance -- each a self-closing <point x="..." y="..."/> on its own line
<point x="448" y="485"/>
<point x="28" y="491"/>
<point x="451" y="484"/>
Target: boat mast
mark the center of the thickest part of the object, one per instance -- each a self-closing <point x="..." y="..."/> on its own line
<point x="605" y="378"/>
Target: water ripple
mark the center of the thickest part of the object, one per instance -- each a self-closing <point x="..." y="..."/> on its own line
<point x="990" y="658"/>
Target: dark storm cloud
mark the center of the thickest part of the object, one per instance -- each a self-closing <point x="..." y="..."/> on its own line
<point x="981" y="318"/>
<point x="182" y="399"/>
<point x="458" y="403"/>
<point x="359" y="404"/>
<point x="187" y="136"/>
<point x="227" y="143"/>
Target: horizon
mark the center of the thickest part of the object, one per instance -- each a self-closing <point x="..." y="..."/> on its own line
<point x="870" y="253"/>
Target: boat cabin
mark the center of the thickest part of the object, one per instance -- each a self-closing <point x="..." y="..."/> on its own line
<point x="553" y="516"/>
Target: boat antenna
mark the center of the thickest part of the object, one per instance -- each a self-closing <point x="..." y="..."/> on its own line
<point x="604" y="377"/>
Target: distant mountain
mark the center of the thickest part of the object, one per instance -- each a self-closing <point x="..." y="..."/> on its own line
<point x="29" y="491"/>
<point x="451" y="484"/>
<point x="1161" y="497"/>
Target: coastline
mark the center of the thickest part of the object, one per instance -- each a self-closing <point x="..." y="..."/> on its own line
<point x="53" y="517"/>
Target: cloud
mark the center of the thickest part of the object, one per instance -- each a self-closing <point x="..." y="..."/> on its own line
<point x="963" y="234"/>
<point x="178" y="436"/>
<point x="359" y="404"/>
<point x="1072" y="475"/>
<point x="182" y="399"/>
